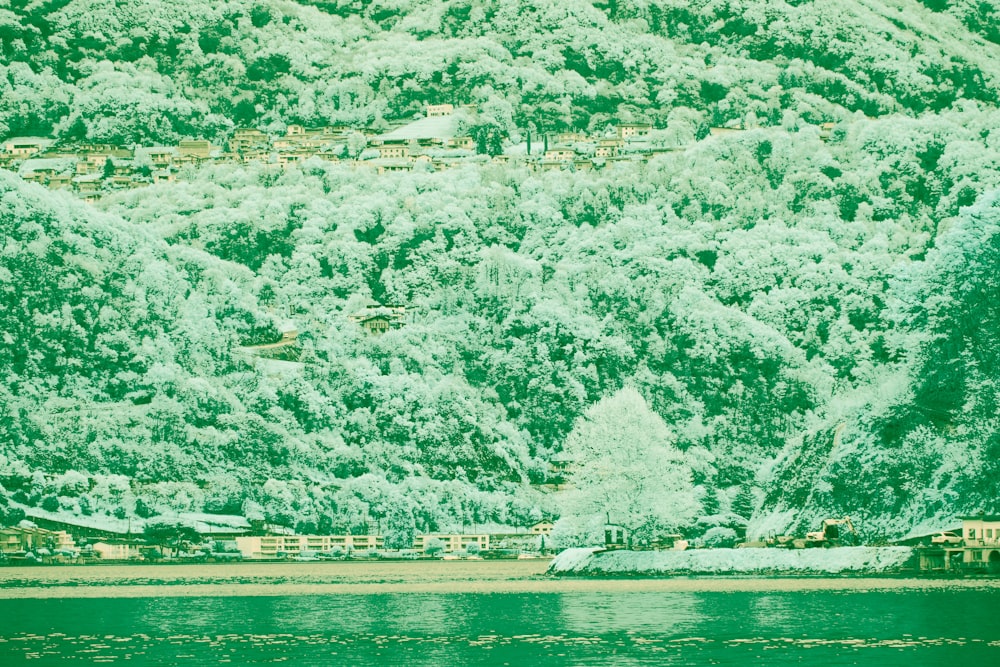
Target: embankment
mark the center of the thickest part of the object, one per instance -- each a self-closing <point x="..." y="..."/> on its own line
<point x="763" y="562"/>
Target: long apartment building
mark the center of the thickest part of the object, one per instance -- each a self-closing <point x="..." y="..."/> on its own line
<point x="280" y="546"/>
<point x="275" y="546"/>
<point x="451" y="542"/>
<point x="29" y="539"/>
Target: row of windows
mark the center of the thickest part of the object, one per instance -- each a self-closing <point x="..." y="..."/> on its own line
<point x="983" y="533"/>
<point x="270" y="546"/>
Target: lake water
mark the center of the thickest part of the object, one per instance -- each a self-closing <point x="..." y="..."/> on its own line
<point x="819" y="627"/>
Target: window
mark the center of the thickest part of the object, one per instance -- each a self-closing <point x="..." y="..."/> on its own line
<point x="989" y="533"/>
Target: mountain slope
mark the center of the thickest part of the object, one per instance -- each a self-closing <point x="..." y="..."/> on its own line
<point x="154" y="71"/>
<point x="809" y="317"/>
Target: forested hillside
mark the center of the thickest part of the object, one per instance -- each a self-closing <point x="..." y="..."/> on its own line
<point x="812" y="317"/>
<point x="152" y="71"/>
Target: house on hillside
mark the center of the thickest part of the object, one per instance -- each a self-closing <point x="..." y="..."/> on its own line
<point x="633" y="130"/>
<point x="92" y="163"/>
<point x="438" y="130"/>
<point x="60" y="181"/>
<point x="561" y="466"/>
<point x="246" y="138"/>
<point x="560" y="153"/>
<point x="87" y="184"/>
<point x="377" y="324"/>
<point x="22" y="147"/>
<point x="121" y="182"/>
<point x="460" y="143"/>
<point x="164" y="176"/>
<point x="389" y="165"/>
<point x="437" y="110"/>
<point x="256" y="155"/>
<point x="43" y="170"/>
<point x="199" y="149"/>
<point x="394" y="149"/>
<point x="103" y="149"/>
<point x="608" y="147"/>
<point x="159" y="157"/>
<point x="291" y="157"/>
<point x="298" y="137"/>
<point x="570" y="137"/>
<point x="378" y="319"/>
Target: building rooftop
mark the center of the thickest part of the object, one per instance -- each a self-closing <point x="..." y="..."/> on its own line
<point x="435" y="127"/>
<point x="148" y="150"/>
<point x="40" y="164"/>
<point x="40" y="141"/>
<point x="221" y="520"/>
<point x="94" y="522"/>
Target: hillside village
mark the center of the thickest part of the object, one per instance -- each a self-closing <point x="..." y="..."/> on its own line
<point x="433" y="142"/>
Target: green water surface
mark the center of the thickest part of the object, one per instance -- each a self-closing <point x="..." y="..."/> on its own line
<point x="883" y="628"/>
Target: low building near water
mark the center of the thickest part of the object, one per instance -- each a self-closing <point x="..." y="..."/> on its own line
<point x="26" y="538"/>
<point x="978" y="550"/>
<point x="616" y="536"/>
<point x="121" y="549"/>
<point x="534" y="539"/>
<point x="981" y="539"/>
<point x="451" y="542"/>
<point x="542" y="528"/>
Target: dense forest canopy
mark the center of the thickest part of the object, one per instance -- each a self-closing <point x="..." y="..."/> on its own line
<point x="153" y="71"/>
<point x="809" y="320"/>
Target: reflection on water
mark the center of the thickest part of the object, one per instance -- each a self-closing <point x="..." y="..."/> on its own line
<point x="880" y="628"/>
<point x="769" y="610"/>
<point x="647" y="613"/>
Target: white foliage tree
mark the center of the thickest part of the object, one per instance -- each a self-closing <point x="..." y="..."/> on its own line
<point x="626" y="471"/>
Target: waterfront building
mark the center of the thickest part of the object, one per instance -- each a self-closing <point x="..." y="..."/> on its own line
<point x="289" y="546"/>
<point x="981" y="541"/>
<point x="28" y="538"/>
<point x="452" y="542"/>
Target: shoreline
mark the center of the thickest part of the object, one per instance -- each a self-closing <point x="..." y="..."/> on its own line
<point x="518" y="577"/>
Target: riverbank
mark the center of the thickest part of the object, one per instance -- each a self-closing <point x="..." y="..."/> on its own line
<point x="253" y="578"/>
<point x="716" y="562"/>
<point x="442" y="577"/>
